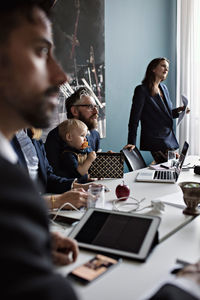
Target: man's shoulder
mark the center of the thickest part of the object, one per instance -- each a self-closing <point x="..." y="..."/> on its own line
<point x="94" y="133"/>
<point x="53" y="133"/>
<point x="94" y="140"/>
<point x="53" y="139"/>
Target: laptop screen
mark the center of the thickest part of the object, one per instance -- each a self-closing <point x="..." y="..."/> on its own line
<point x="181" y="159"/>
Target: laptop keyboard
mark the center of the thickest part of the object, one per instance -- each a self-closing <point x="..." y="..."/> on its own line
<point x="168" y="175"/>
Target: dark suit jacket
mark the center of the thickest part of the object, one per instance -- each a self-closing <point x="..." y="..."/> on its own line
<point x="156" y="120"/>
<point x="55" y="146"/>
<point x="172" y="292"/>
<point x="25" y="252"/>
<point x="50" y="182"/>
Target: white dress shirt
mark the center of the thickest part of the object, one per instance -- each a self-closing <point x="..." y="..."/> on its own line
<point x="29" y="152"/>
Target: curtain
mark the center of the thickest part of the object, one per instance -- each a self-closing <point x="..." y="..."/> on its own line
<point x="188" y="69"/>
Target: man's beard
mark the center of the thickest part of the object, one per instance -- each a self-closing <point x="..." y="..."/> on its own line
<point x="35" y="113"/>
<point x="41" y="115"/>
<point x="91" y="123"/>
<point x="37" y="120"/>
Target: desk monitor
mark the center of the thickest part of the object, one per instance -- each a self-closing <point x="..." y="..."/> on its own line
<point x="118" y="233"/>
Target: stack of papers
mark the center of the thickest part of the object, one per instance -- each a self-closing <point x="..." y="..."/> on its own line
<point x="182" y="114"/>
<point x="159" y="167"/>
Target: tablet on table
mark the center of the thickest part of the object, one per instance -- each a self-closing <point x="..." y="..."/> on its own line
<point x="118" y="233"/>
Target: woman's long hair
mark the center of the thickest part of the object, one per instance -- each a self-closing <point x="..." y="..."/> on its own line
<point x="34" y="133"/>
<point x="149" y="78"/>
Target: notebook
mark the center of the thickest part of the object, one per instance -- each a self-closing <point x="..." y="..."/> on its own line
<point x="164" y="176"/>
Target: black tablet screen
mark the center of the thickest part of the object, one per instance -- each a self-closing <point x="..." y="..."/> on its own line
<point x="114" y="231"/>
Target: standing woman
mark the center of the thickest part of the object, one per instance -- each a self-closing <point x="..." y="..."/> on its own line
<point x="153" y="107"/>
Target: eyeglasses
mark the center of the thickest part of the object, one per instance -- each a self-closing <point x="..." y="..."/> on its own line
<point x="89" y="106"/>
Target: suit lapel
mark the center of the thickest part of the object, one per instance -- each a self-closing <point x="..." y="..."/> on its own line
<point x="166" y="105"/>
<point x="166" y="109"/>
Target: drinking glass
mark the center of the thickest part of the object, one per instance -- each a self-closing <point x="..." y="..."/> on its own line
<point x="171" y="158"/>
<point x="96" y="196"/>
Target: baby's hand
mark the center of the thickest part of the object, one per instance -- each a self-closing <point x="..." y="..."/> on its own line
<point x="92" y="156"/>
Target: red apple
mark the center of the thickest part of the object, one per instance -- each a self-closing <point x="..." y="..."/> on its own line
<point x="122" y="190"/>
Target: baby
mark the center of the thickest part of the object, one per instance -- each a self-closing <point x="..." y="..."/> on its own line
<point x="77" y="156"/>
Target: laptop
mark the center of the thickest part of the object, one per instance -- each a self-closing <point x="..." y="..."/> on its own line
<point x="164" y="176"/>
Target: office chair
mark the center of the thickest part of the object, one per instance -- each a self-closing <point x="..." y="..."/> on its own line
<point x="133" y="159"/>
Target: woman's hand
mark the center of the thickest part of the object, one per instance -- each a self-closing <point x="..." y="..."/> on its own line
<point x="85" y="186"/>
<point x="182" y="108"/>
<point x="187" y="110"/>
<point x="77" y="197"/>
<point x="64" y="250"/>
<point x="130" y="147"/>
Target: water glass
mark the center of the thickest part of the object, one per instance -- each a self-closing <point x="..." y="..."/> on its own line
<point x="171" y="158"/>
<point x="96" y="196"/>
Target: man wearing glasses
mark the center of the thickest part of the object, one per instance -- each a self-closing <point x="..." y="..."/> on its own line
<point x="80" y="105"/>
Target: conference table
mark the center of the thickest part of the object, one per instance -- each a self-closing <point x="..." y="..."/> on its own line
<point x="179" y="238"/>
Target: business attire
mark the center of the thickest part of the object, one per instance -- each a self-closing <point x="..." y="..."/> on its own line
<point x="25" y="252"/>
<point x="156" y="116"/>
<point x="55" y="146"/>
<point x="50" y="182"/>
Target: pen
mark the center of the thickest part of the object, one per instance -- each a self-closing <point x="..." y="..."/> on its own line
<point x="182" y="262"/>
<point x="163" y="166"/>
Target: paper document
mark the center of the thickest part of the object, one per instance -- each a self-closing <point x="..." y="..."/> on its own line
<point x="159" y="167"/>
<point x="182" y="114"/>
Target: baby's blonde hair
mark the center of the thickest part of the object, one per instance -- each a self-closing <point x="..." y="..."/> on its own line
<point x="69" y="124"/>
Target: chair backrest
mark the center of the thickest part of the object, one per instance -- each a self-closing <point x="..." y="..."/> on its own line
<point x="133" y="159"/>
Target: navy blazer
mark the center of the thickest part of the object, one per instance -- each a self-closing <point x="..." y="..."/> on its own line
<point x="156" y="120"/>
<point x="51" y="182"/>
<point x="25" y="252"/>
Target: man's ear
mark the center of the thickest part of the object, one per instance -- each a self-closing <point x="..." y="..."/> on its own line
<point x="74" y="111"/>
<point x="68" y="137"/>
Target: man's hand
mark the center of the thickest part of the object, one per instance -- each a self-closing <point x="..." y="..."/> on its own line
<point x="130" y="147"/>
<point x="64" y="250"/>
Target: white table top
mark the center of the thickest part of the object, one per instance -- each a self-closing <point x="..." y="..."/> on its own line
<point x="131" y="279"/>
<point x="172" y="218"/>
